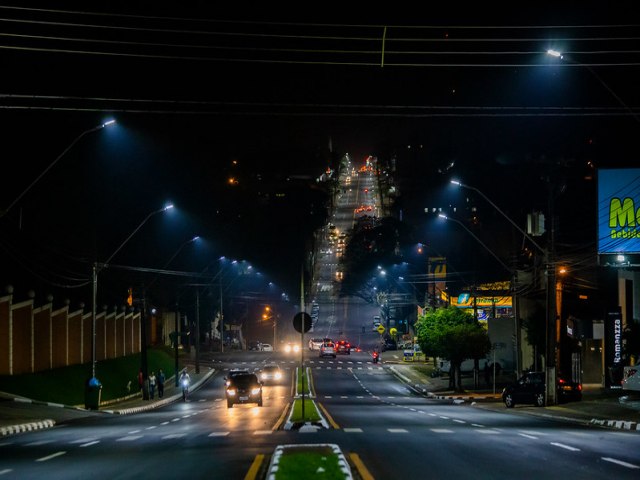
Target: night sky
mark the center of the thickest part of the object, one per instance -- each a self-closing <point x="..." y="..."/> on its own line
<point x="272" y="99"/>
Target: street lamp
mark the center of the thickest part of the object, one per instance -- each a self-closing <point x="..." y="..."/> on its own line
<point x="52" y="164"/>
<point x="561" y="56"/>
<point x="550" y="293"/>
<point x="95" y="272"/>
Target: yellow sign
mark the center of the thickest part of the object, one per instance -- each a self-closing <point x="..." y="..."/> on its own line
<point x="381" y="329"/>
<point x="393" y="330"/>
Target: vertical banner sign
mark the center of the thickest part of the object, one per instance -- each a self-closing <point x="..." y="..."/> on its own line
<point x="613" y="349"/>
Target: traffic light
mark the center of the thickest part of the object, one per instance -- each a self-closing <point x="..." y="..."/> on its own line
<point x="130" y="297"/>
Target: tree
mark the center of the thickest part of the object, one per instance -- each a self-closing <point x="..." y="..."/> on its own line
<point x="453" y="335"/>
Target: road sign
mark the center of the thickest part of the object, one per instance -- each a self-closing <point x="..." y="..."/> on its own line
<point x="393" y="331"/>
<point x="302" y="322"/>
<point x="381" y="329"/>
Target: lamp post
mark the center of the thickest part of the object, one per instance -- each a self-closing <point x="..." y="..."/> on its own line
<point x="95" y="271"/>
<point x="514" y="300"/>
<point x="52" y="164"/>
<point x="561" y="56"/>
<point x="550" y="317"/>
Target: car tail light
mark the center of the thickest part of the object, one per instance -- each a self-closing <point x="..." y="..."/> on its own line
<point x="579" y="387"/>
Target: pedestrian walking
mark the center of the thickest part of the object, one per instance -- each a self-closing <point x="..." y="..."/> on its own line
<point x="161" y="379"/>
<point x="140" y="379"/>
<point x="152" y="384"/>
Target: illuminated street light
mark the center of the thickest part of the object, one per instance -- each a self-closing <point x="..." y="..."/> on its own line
<point x="95" y="272"/>
<point x="550" y="354"/>
<point x="52" y="164"/>
<point x="561" y="56"/>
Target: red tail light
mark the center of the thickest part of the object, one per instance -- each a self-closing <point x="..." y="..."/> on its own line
<point x="580" y="387"/>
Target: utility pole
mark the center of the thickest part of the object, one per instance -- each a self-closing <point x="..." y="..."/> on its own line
<point x="197" y="330"/>
<point x="550" y="360"/>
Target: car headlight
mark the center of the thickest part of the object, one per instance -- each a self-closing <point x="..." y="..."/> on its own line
<point x="296" y="348"/>
<point x="255" y="391"/>
<point x="278" y="376"/>
<point x="263" y="376"/>
<point x="231" y="392"/>
<point x="287" y="348"/>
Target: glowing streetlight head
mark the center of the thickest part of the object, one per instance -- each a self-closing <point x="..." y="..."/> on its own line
<point x="554" y="53"/>
<point x="442" y="215"/>
<point x="168" y="207"/>
<point x="455" y="182"/>
<point x="108" y="123"/>
<point x="195" y="238"/>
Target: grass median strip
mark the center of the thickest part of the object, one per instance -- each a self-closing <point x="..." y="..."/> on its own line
<point x="320" y="461"/>
<point x="310" y="411"/>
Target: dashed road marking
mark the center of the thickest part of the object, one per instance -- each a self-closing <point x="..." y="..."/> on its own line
<point x="566" y="447"/>
<point x="397" y="430"/>
<point x="88" y="444"/>
<point x="49" y="457"/>
<point x="173" y="435"/>
<point x="218" y="434"/>
<point x="441" y="430"/>
<point x="352" y="430"/>
<point x="129" y="438"/>
<point x="525" y="435"/>
<point x="620" y="462"/>
<point x="263" y="432"/>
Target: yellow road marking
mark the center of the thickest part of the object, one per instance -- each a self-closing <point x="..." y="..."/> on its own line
<point x="362" y="470"/>
<point x="326" y="414"/>
<point x="281" y="419"/>
<point x="255" y="467"/>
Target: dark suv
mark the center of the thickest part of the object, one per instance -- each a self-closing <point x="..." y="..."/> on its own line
<point x="244" y="388"/>
<point x="343" y="347"/>
<point x="530" y="389"/>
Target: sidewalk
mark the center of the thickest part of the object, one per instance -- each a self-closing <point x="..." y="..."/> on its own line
<point x="18" y="414"/>
<point x="607" y="408"/>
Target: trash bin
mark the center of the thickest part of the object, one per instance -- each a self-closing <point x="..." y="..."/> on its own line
<point x="92" y="394"/>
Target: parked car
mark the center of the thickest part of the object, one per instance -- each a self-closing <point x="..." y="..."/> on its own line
<point x="271" y="373"/>
<point x="255" y="345"/>
<point x="631" y="378"/>
<point x="343" y="347"/>
<point x="267" y="347"/>
<point x="328" y="349"/>
<point x="315" y="343"/>
<point x="530" y="390"/>
<point x="244" y="388"/>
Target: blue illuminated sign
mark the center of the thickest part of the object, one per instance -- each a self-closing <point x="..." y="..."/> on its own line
<point x="619" y="210"/>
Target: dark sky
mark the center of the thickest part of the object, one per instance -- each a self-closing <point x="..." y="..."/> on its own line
<point x="196" y="87"/>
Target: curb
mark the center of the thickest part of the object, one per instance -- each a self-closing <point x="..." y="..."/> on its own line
<point x="620" y="424"/>
<point x="26" y="427"/>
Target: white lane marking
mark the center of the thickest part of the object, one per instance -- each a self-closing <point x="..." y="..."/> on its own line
<point x="397" y="430"/>
<point x="6" y="470"/>
<point x="151" y="427"/>
<point x="35" y="444"/>
<point x="49" y="457"/>
<point x="133" y="432"/>
<point x="130" y="438"/>
<point x="352" y="430"/>
<point x="88" y="444"/>
<point x="186" y="416"/>
<point x="84" y="440"/>
<point x="528" y="436"/>
<point x="175" y="420"/>
<point x="532" y="432"/>
<point x="263" y="432"/>
<point x="489" y="432"/>
<point x="164" y="423"/>
<point x="343" y="396"/>
<point x="218" y="434"/>
<point x="327" y="396"/>
<point x="441" y="430"/>
<point x="444" y="418"/>
<point x="359" y="396"/>
<point x="458" y="421"/>
<point x="566" y="447"/>
<point x="218" y="400"/>
<point x="477" y="425"/>
<point x="173" y="435"/>
<point x="619" y="462"/>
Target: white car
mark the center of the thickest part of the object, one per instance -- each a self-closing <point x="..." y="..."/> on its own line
<point x="267" y="347"/>
<point x="631" y="378"/>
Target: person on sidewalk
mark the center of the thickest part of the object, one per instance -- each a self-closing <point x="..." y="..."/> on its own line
<point x="140" y="379"/>
<point x="161" y="379"/>
<point x="152" y="385"/>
